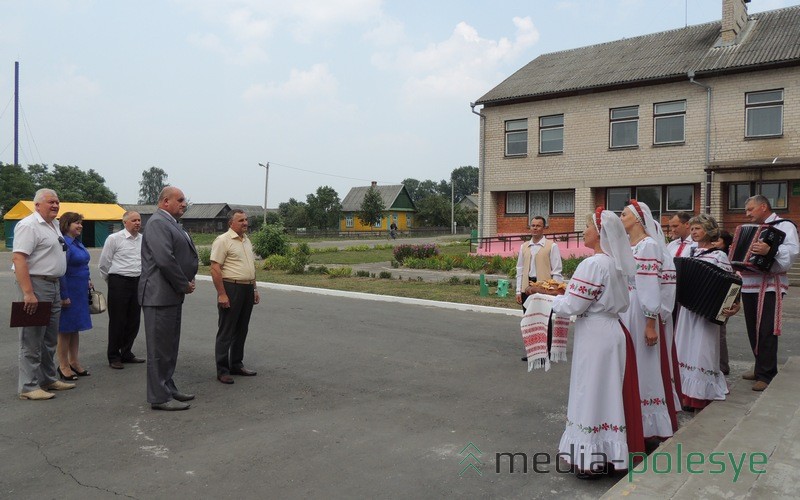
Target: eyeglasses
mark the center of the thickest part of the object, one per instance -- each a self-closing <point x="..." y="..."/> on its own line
<point x="63" y="243"/>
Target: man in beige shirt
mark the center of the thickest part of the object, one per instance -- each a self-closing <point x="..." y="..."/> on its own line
<point x="233" y="272"/>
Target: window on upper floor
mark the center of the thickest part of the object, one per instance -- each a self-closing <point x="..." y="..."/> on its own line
<point x="624" y="127"/>
<point x="517" y="137"/>
<point x="515" y="202"/>
<point x="551" y="134"/>
<point x="764" y="113"/>
<point x="669" y="122"/>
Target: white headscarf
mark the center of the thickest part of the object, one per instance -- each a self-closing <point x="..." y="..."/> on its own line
<point x="614" y="241"/>
<point x="651" y="227"/>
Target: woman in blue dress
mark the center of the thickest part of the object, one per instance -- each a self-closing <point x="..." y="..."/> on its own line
<point x="75" y="286"/>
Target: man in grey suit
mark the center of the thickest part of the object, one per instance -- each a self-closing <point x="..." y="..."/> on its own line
<point x="169" y="265"/>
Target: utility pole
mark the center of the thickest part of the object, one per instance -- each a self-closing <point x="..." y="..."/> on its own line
<point x="266" y="185"/>
<point x="452" y="205"/>
<point x="16" y="113"/>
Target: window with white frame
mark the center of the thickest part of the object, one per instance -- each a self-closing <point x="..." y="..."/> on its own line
<point x="564" y="202"/>
<point x="737" y="195"/>
<point x="515" y="202"/>
<point x="764" y="113"/>
<point x="669" y="122"/>
<point x="624" y="127"/>
<point x="517" y="137"/>
<point x="379" y="222"/>
<point x="551" y="134"/>
<point x="680" y="198"/>
<point x="617" y="199"/>
<point x="775" y="192"/>
<point x="348" y="221"/>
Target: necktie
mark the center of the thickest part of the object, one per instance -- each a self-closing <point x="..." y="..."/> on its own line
<point x="680" y="248"/>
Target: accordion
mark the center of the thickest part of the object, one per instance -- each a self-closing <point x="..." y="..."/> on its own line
<point x="739" y="254"/>
<point x="705" y="289"/>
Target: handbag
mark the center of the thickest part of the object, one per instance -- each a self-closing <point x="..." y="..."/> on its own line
<point x="97" y="301"/>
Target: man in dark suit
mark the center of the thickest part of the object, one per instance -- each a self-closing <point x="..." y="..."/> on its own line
<point x="169" y="265"/>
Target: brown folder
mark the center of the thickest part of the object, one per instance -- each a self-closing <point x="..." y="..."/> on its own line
<point x="20" y="318"/>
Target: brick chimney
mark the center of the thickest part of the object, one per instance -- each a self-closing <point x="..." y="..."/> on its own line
<point x="734" y="18"/>
<point x="374" y="183"/>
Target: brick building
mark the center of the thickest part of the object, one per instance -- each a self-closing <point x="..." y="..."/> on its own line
<point x="695" y="119"/>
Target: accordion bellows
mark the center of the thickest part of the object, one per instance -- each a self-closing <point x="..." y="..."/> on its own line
<point x="704" y="288"/>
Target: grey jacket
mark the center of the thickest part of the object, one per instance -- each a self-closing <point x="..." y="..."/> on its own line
<point x="169" y="262"/>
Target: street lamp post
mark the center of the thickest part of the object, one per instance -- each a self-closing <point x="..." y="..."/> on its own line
<point x="266" y="184"/>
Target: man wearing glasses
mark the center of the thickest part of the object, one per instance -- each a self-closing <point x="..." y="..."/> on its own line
<point x="39" y="260"/>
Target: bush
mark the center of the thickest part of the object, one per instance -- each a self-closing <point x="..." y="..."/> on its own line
<point x="474" y="263"/>
<point x="297" y="261"/>
<point x="325" y="250"/>
<point x="569" y="265"/>
<point x="204" y="254"/>
<point x="340" y="272"/>
<point x="357" y="248"/>
<point x="454" y="280"/>
<point x="387" y="246"/>
<point x="386" y="275"/>
<point x="394" y="264"/>
<point x="362" y="274"/>
<point x="304" y="248"/>
<point x="403" y="252"/>
<point x="270" y="240"/>
<point x="276" y="262"/>
<point x="317" y="269"/>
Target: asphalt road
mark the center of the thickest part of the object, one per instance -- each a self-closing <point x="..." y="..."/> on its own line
<point x="353" y="399"/>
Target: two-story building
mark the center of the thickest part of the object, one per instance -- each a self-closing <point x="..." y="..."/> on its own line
<point x="694" y="119"/>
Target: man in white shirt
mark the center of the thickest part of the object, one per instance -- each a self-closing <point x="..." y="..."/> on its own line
<point x="762" y="293"/>
<point x="120" y="266"/>
<point x="681" y="244"/>
<point x="539" y="260"/>
<point x="40" y="259"/>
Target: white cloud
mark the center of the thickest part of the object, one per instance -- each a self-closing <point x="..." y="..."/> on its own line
<point x="315" y="82"/>
<point x="69" y="86"/>
<point x="388" y="32"/>
<point x="460" y="66"/>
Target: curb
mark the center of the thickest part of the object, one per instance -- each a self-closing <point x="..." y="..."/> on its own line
<point x="382" y="298"/>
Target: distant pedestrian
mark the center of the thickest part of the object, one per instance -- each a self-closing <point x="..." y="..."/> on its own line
<point x="393" y="230"/>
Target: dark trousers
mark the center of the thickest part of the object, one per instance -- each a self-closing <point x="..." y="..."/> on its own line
<point x="233" y="324"/>
<point x="162" y="328"/>
<point x="124" y="316"/>
<point x="767" y="357"/>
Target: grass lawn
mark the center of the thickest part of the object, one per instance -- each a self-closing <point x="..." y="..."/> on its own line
<point x="441" y="291"/>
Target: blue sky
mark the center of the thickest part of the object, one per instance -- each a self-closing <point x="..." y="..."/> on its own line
<point x="351" y="90"/>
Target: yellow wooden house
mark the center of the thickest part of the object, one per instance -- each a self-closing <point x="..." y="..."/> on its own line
<point x="400" y="209"/>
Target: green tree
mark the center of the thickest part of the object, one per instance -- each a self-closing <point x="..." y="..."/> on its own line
<point x="465" y="181"/>
<point x="73" y="184"/>
<point x="15" y="185"/>
<point x="433" y="211"/>
<point x="372" y="208"/>
<point x="294" y="213"/>
<point x="324" y="208"/>
<point x="270" y="240"/>
<point x="153" y="181"/>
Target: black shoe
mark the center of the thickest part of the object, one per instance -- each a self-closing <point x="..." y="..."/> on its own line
<point x="134" y="360"/>
<point x="84" y="373"/>
<point x="183" y="397"/>
<point x="170" y="406"/>
<point x="524" y="358"/>
<point x="64" y="377"/>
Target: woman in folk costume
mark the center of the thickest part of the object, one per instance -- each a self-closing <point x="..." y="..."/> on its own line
<point x="642" y="320"/>
<point x="696" y="337"/>
<point x="667" y="331"/>
<point x="604" y="422"/>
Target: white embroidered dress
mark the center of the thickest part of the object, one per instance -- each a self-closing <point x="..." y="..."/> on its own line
<point x="697" y="340"/>
<point x="668" y="282"/>
<point x="645" y="298"/>
<point x="597" y="293"/>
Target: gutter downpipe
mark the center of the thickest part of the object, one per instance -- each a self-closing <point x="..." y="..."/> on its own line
<point x="690" y="74"/>
<point x="481" y="169"/>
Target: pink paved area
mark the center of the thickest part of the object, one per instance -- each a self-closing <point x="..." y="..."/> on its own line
<point x="570" y="248"/>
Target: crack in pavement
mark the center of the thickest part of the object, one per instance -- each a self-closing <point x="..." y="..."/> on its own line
<point x="66" y="473"/>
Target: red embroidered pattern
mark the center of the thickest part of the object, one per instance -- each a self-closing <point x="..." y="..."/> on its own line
<point x="594" y="429"/>
<point x="654" y="402"/>
<point x="710" y="373"/>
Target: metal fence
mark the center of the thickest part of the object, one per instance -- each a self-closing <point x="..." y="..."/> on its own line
<point x="507" y="242"/>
